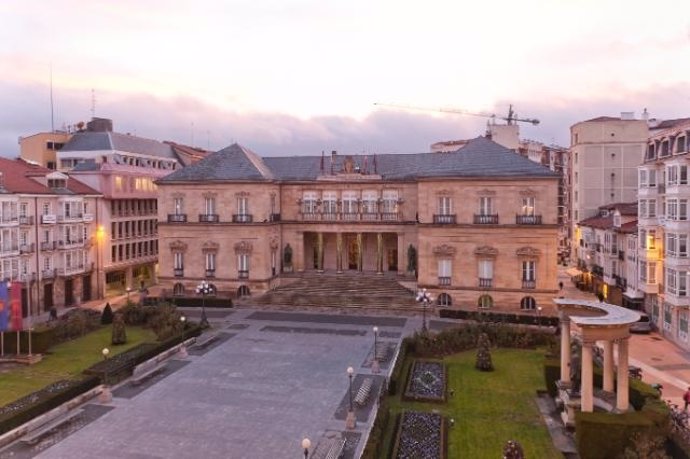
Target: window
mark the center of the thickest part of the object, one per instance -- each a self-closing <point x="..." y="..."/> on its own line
<point x="444" y="299"/>
<point x="676" y="282"/>
<point x="178" y="206"/>
<point x="242" y="205"/>
<point x="349" y="202"/>
<point x="178" y="289"/>
<point x="485" y="206"/>
<point x="643" y="177"/>
<point x="210" y="261"/>
<point x="651" y="273"/>
<point x="652" y="177"/>
<point x="46" y="208"/>
<point x="210" y="206"/>
<point x="178" y="260"/>
<point x="681" y="146"/>
<point x="529" y="271"/>
<point x="528" y="206"/>
<point x="683" y="324"/>
<point x="369" y="201"/>
<point x="308" y="202"/>
<point x="668" y="317"/>
<point x="486" y="269"/>
<point x="445" y="270"/>
<point x="528" y="303"/>
<point x="444" y="205"/>
<point x="243" y="265"/>
<point x="485" y="302"/>
<point x="672" y="175"/>
<point x="390" y="201"/>
<point x="330" y="202"/>
<point x="47" y="263"/>
<point x="651" y="208"/>
<point x="642" y="208"/>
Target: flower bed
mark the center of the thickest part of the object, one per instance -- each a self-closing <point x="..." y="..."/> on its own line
<point x="420" y="435"/>
<point x="427" y="381"/>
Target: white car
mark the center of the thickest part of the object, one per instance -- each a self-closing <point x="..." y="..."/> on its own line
<point x="644" y="325"/>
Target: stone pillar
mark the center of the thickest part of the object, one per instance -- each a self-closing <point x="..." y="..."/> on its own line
<point x="359" y="251"/>
<point x="622" y="394"/>
<point x="339" y="252"/>
<point x="402" y="256"/>
<point x="608" y="366"/>
<point x="298" y="253"/>
<point x="587" y="390"/>
<point x="565" y="349"/>
<point x="319" y="251"/>
<point x="379" y="253"/>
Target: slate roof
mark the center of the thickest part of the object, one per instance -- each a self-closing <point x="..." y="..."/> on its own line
<point x="92" y="141"/>
<point x="480" y="157"/>
<point x="18" y="176"/>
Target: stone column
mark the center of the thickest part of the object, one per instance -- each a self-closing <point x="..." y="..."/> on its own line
<point x="587" y="390"/>
<point x="565" y="349"/>
<point x="608" y="366"/>
<point x="319" y="251"/>
<point x="359" y="251"/>
<point x="401" y="254"/>
<point x="339" y="252"/>
<point x="622" y="394"/>
<point x="298" y="253"/>
<point x="379" y="253"/>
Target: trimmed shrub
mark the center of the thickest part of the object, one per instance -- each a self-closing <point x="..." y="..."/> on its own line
<point x="191" y="302"/>
<point x="484" y="362"/>
<point x="499" y="317"/>
<point x="35" y="404"/>
<point x="119" y="333"/>
<point x="375" y="448"/>
<point x="107" y="315"/>
<point x="395" y="382"/>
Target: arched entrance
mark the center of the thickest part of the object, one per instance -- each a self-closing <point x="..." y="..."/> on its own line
<point x="243" y="291"/>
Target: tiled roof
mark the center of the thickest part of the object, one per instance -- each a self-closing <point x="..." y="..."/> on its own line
<point x="625" y="208"/>
<point x="598" y="222"/>
<point x="481" y="157"/>
<point x="604" y="118"/>
<point x="19" y="177"/>
<point x="109" y="141"/>
<point x="628" y="228"/>
<point x="186" y="154"/>
<point x="667" y="124"/>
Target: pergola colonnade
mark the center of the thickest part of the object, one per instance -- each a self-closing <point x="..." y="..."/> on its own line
<point x="597" y="321"/>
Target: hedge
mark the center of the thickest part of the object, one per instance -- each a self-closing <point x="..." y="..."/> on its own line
<point x="191" y="302"/>
<point x="37" y="403"/>
<point x="499" y="317"/>
<point x="375" y="447"/>
<point x="395" y="380"/>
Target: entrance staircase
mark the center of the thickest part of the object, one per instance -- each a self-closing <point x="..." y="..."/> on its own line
<point x="349" y="290"/>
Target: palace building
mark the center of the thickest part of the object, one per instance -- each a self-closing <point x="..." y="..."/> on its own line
<point x="478" y="227"/>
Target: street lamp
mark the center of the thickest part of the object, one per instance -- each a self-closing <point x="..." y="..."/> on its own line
<point x="538" y="316"/>
<point x="375" y="367"/>
<point x="106" y="396"/>
<point x="204" y="289"/>
<point x="105" y="353"/>
<point x="129" y="289"/>
<point x="306" y="444"/>
<point x="350" y="420"/>
<point x="424" y="297"/>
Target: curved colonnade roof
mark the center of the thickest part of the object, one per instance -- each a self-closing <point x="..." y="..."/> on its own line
<point x="612" y="315"/>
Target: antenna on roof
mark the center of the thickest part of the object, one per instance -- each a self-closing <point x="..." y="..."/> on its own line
<point x="93" y="103"/>
<point x="52" y="113"/>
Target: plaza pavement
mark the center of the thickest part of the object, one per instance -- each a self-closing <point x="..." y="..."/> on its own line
<point x="254" y="396"/>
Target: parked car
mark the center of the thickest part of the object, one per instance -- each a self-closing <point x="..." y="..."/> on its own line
<point x="644" y="325"/>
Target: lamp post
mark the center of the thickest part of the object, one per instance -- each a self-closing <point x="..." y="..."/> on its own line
<point x="204" y="289"/>
<point x="538" y="316"/>
<point x="350" y="421"/>
<point x="106" y="396"/>
<point x="375" y="367"/>
<point x="183" y="349"/>
<point x="306" y="444"/>
<point x="129" y="289"/>
<point x="424" y="297"/>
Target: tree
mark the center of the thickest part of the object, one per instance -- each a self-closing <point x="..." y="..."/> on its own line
<point x="647" y="445"/>
<point x="484" y="354"/>
<point x="513" y="450"/>
<point x="107" y="315"/>
<point x="119" y="335"/>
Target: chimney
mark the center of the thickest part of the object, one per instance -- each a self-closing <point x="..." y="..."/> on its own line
<point x="100" y="125"/>
<point x="333" y="153"/>
<point x="627" y="116"/>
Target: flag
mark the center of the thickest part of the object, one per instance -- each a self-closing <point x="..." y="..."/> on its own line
<point x="4" y="307"/>
<point x="16" y="306"/>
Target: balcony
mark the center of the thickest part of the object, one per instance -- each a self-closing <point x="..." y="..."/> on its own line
<point x="9" y="249"/>
<point x="486" y="219"/>
<point x="70" y="243"/>
<point x="349" y="216"/>
<point x="209" y="218"/>
<point x="529" y="284"/>
<point x="48" y="219"/>
<point x="177" y="218"/>
<point x="88" y="218"/>
<point x="9" y="220"/>
<point x="329" y="216"/>
<point x="27" y="248"/>
<point x="390" y="216"/>
<point x="242" y="218"/>
<point x="76" y="217"/>
<point x="178" y="272"/>
<point x="370" y="216"/>
<point x="274" y="218"/>
<point x="48" y="245"/>
<point x="26" y="220"/>
<point x="444" y="281"/>
<point x="527" y="220"/>
<point x="210" y="273"/>
<point x="444" y="219"/>
<point x="27" y="277"/>
<point x="69" y="270"/>
<point x="49" y="274"/>
<point x="310" y="216"/>
<point x="485" y="283"/>
<point x="243" y="274"/>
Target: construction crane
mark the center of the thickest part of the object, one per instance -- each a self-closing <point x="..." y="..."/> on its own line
<point x="511" y="118"/>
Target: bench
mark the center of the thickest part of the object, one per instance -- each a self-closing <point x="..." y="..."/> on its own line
<point x="336" y="449"/>
<point x="381" y="352"/>
<point x="330" y="447"/>
<point x="142" y="376"/>
<point x="205" y="340"/>
<point x="36" y="435"/>
<point x="364" y="391"/>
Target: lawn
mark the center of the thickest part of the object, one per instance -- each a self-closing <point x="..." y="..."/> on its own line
<point x="491" y="408"/>
<point x="66" y="360"/>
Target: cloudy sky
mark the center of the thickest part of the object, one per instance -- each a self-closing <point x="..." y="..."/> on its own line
<point x="301" y="76"/>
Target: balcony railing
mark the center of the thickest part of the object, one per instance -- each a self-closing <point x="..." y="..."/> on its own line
<point x="243" y="274"/>
<point x="528" y="219"/>
<point x="49" y="273"/>
<point x="26" y="220"/>
<point x="274" y="218"/>
<point x="242" y="218"/>
<point x="444" y="219"/>
<point x="70" y="243"/>
<point x="88" y="218"/>
<point x="9" y="219"/>
<point x="486" y="219"/>
<point x="9" y="249"/>
<point x="443" y="281"/>
<point x="178" y="272"/>
<point x="485" y="283"/>
<point x="50" y="245"/>
<point x="210" y="273"/>
<point x="370" y="216"/>
<point x="177" y="218"/>
<point x="209" y="218"/>
<point x="70" y="218"/>
<point x="67" y="270"/>
<point x="348" y="216"/>
<point x="26" y="248"/>
<point x="48" y="218"/>
<point x="529" y="284"/>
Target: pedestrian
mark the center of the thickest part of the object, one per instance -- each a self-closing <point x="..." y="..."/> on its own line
<point x="686" y="398"/>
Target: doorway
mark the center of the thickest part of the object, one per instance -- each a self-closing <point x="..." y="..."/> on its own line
<point x="86" y="288"/>
<point x="352" y="253"/>
<point x="47" y="297"/>
<point x="392" y="259"/>
<point x="69" y="292"/>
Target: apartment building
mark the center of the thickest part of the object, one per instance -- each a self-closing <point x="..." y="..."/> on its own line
<point x="41" y="148"/>
<point x="608" y="255"/>
<point x="482" y="221"/>
<point x="664" y="227"/>
<point x="47" y="235"/>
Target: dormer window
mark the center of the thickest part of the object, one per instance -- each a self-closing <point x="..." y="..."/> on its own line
<point x="57" y="183"/>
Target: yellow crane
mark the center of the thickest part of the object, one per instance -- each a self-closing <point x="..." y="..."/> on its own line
<point x="510" y="119"/>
